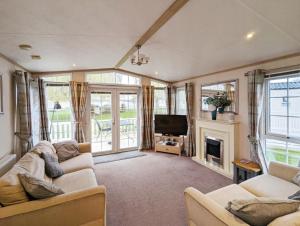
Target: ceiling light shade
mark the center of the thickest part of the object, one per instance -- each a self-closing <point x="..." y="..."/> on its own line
<point x="140" y="58"/>
<point x="25" y="46"/>
<point x="250" y="35"/>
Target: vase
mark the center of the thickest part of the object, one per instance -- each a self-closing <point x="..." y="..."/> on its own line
<point x="221" y="110"/>
<point x="214" y="115"/>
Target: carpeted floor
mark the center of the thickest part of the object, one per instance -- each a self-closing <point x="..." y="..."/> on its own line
<point x="148" y="191"/>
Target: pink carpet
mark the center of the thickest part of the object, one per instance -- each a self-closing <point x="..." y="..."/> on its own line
<point x="148" y="191"/>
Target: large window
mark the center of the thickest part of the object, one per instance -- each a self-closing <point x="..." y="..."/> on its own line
<point x="112" y="77"/>
<point x="180" y="101"/>
<point x="160" y="97"/>
<point x="283" y="119"/>
<point x="59" y="107"/>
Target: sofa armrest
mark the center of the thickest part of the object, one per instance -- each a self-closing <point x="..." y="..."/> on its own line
<point x="283" y="171"/>
<point x="75" y="208"/>
<point x="85" y="147"/>
<point x="203" y="211"/>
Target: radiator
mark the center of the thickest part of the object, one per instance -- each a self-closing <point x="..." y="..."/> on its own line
<point x="6" y="163"/>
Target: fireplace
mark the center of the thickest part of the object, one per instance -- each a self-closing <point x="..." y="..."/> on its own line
<point x="214" y="149"/>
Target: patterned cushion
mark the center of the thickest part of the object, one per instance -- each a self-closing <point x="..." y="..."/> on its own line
<point x="295" y="196"/>
<point x="38" y="189"/>
<point x="52" y="167"/>
<point x="261" y="211"/>
<point x="66" y="150"/>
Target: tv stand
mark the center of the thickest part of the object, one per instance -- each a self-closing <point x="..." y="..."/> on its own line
<point x="169" y="144"/>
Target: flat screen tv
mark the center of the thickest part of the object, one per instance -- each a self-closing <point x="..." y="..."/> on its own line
<point x="175" y="125"/>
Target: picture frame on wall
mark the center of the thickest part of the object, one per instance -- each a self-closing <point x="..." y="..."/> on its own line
<point x="1" y="95"/>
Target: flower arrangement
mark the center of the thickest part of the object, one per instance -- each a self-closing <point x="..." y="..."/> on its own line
<point x="220" y="101"/>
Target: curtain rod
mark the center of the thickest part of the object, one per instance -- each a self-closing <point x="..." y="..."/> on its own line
<point x="282" y="70"/>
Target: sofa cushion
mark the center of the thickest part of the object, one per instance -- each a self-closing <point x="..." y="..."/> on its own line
<point x="66" y="150"/>
<point x="78" y="180"/>
<point x="223" y="195"/>
<point x="82" y="161"/>
<point x="260" y="210"/>
<point x="11" y="189"/>
<point x="52" y="167"/>
<point x="37" y="188"/>
<point x="270" y="186"/>
<point x="291" y="219"/>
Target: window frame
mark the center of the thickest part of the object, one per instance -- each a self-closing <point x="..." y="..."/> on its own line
<point x="176" y="100"/>
<point x="60" y="84"/>
<point x="267" y="116"/>
<point x="267" y="134"/>
<point x="115" y="83"/>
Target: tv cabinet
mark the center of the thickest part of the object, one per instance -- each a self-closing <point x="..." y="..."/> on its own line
<point x="161" y="144"/>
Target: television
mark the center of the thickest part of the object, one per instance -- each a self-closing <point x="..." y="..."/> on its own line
<point x="175" y="125"/>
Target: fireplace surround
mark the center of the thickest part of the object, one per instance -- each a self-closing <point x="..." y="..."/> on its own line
<point x="221" y="137"/>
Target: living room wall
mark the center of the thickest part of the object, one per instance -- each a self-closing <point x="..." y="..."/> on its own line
<point x="242" y="117"/>
<point x="7" y="119"/>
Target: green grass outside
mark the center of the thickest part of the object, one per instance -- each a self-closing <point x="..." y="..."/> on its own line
<point x="65" y="116"/>
<point x="280" y="155"/>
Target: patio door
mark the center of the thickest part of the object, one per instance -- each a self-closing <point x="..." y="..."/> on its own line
<point x="113" y="120"/>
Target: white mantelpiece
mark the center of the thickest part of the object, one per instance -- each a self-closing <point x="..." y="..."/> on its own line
<point x="223" y="130"/>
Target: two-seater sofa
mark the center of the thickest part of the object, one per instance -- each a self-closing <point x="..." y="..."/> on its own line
<point x="209" y="209"/>
<point x="83" y="202"/>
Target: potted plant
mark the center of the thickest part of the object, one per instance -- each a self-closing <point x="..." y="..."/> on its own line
<point x="220" y="101"/>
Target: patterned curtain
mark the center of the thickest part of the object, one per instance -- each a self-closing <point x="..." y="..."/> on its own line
<point x="171" y="100"/>
<point x="44" y="128"/>
<point x="147" y="139"/>
<point x="79" y="96"/>
<point x="256" y="82"/>
<point x="23" y="115"/>
<point x="231" y="96"/>
<point x="190" y="146"/>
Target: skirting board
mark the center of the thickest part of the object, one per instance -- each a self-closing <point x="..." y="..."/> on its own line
<point x="6" y="163"/>
<point x="212" y="167"/>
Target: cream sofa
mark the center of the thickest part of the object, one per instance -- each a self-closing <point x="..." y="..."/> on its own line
<point x="82" y="204"/>
<point x="209" y="209"/>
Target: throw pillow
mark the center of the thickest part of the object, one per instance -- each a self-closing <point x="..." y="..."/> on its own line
<point x="52" y="167"/>
<point x="66" y="150"/>
<point x="38" y="189"/>
<point x="261" y="211"/>
<point x="296" y="179"/>
<point x="295" y="196"/>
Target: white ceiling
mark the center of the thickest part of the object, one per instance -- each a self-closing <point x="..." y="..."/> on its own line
<point x="203" y="37"/>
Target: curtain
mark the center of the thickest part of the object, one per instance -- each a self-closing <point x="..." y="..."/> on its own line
<point x="255" y="114"/>
<point x="79" y="97"/>
<point x="44" y="127"/>
<point x="231" y="96"/>
<point x="23" y="114"/>
<point x="147" y="127"/>
<point x="190" y="145"/>
<point x="171" y="100"/>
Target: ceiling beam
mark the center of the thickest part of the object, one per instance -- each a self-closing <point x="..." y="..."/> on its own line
<point x="167" y="15"/>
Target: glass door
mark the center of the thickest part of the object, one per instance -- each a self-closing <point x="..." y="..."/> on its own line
<point x="114" y="120"/>
<point x="128" y="120"/>
<point x="101" y="121"/>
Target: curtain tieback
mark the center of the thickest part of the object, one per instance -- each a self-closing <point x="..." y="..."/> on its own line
<point x="252" y="139"/>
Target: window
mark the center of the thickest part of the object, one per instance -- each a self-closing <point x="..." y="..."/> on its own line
<point x="180" y="101"/>
<point x="282" y="141"/>
<point x="112" y="78"/>
<point x="158" y="84"/>
<point x="160" y="97"/>
<point x="58" y="78"/>
<point x="59" y="108"/>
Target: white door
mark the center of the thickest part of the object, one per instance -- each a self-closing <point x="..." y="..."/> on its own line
<point x="114" y="118"/>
